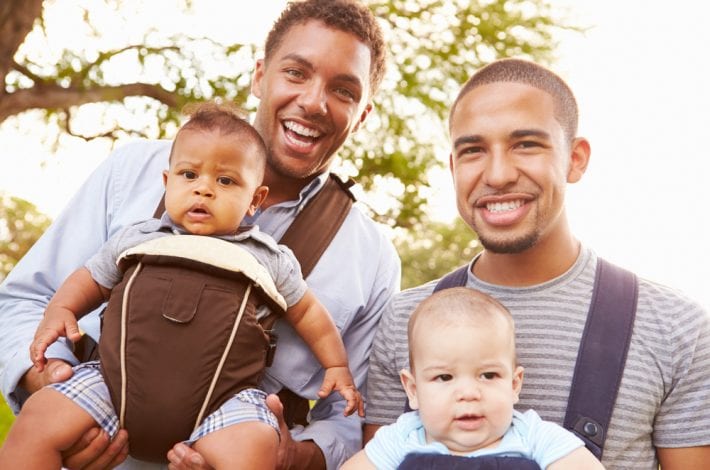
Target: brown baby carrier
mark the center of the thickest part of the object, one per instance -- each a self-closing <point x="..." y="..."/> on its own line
<point x="180" y="334"/>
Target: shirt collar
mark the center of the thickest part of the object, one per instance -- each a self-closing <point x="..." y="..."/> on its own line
<point x="242" y="233"/>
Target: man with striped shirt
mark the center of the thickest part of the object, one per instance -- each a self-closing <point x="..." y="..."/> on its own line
<point x="514" y="149"/>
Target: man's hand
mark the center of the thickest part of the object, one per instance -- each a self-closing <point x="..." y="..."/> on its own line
<point x="182" y="457"/>
<point x="294" y="454"/>
<point x="95" y="451"/>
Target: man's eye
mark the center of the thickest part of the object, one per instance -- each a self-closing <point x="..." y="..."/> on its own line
<point x="444" y="377"/>
<point x="528" y="144"/>
<point x="224" y="180"/>
<point x="345" y="93"/>
<point x="294" y="73"/>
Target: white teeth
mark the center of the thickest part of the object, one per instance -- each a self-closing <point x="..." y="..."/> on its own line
<point x="301" y="129"/>
<point x="504" y="206"/>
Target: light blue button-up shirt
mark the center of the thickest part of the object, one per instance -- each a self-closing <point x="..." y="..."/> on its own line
<point x="354" y="279"/>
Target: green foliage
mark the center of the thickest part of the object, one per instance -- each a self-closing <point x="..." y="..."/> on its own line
<point x="434" y="46"/>
<point x="435" y="250"/>
<point x="6" y="419"/>
<point x="21" y="224"/>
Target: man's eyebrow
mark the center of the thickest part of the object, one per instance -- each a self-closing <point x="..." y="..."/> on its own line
<point x="468" y="139"/>
<point x="343" y="77"/>
<point x="300" y="59"/>
<point x="529" y="133"/>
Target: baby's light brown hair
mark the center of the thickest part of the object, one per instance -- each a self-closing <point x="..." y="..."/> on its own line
<point x="458" y="306"/>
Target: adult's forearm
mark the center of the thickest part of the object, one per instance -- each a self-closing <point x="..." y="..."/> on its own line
<point x="308" y="456"/>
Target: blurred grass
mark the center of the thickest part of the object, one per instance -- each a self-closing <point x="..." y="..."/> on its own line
<point x="6" y="419"/>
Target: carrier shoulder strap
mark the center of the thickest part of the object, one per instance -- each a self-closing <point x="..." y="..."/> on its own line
<point x="308" y="236"/>
<point x="456" y="278"/>
<point x="602" y="350"/>
<point x="317" y="223"/>
<point x="602" y="355"/>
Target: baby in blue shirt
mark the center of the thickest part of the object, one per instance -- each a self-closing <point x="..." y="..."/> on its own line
<point x="463" y="383"/>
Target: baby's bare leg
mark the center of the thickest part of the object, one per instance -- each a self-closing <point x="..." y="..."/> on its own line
<point x="252" y="445"/>
<point x="48" y="424"/>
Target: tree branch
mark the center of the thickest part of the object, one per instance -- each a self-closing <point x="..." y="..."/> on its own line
<point x="54" y="96"/>
<point x="17" y="18"/>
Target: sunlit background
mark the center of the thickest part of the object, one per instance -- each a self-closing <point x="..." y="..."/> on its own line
<point x="640" y="75"/>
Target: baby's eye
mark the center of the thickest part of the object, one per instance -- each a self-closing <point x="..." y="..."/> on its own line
<point x="224" y="180"/>
<point x="443" y="377"/>
<point x="188" y="174"/>
<point x="489" y="375"/>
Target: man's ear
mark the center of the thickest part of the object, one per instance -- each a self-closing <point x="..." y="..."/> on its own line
<point x="258" y="199"/>
<point x="580" y="151"/>
<point x="410" y="386"/>
<point x="363" y="115"/>
<point x="517" y="382"/>
<point x="256" y="78"/>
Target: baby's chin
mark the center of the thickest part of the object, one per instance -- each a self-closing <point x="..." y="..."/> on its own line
<point x="465" y="447"/>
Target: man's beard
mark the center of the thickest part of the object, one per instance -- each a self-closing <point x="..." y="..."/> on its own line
<point x="514" y="246"/>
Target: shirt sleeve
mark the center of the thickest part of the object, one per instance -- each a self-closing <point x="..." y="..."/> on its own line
<point x="684" y="417"/>
<point x="77" y="233"/>
<point x="388" y="446"/>
<point x="289" y="279"/>
<point x="548" y="441"/>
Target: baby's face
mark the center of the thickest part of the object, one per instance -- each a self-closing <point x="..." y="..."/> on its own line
<point x="465" y="383"/>
<point x="212" y="182"/>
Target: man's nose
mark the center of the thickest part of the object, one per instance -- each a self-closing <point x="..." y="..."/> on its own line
<point x="313" y="98"/>
<point x="500" y="169"/>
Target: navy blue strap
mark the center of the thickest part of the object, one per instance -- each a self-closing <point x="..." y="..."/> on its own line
<point x="602" y="355"/>
<point x="416" y="461"/>
<point x="455" y="278"/>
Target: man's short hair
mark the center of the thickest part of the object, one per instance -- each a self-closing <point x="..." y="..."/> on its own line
<point x="349" y="16"/>
<point x="226" y="118"/>
<point x="529" y="73"/>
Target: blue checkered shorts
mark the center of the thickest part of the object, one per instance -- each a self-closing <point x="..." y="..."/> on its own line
<point x="87" y="389"/>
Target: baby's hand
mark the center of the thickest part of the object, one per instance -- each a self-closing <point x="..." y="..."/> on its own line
<point x="56" y="322"/>
<point x="340" y="379"/>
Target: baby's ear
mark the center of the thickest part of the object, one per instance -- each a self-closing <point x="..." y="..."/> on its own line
<point x="258" y="199"/>
<point x="517" y="382"/>
<point x="410" y="386"/>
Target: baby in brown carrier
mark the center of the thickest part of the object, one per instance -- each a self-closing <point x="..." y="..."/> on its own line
<point x="185" y="335"/>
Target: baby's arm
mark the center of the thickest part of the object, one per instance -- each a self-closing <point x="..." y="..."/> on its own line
<point x="313" y="323"/>
<point x="358" y="461"/>
<point x="579" y="459"/>
<point x="77" y="296"/>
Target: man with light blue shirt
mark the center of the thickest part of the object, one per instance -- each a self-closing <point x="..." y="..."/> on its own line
<point x="311" y="101"/>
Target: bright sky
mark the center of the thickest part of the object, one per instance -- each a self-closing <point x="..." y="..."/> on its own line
<point x="640" y="76"/>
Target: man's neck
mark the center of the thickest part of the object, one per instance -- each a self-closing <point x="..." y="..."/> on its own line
<point x="283" y="188"/>
<point x="546" y="260"/>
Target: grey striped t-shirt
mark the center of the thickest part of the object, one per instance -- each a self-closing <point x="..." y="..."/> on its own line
<point x="664" y="399"/>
